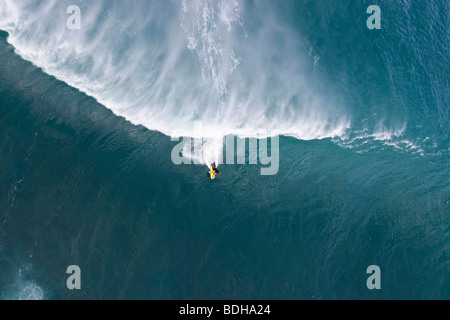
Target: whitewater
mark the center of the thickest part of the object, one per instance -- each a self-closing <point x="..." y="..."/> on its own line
<point x="168" y="64"/>
<point x="236" y="67"/>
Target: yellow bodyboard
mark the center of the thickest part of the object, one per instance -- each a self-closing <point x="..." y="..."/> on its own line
<point x="213" y="173"/>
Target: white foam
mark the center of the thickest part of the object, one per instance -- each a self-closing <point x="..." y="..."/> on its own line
<point x="31" y="292"/>
<point x="167" y="64"/>
<point x="363" y="141"/>
<point x="23" y="287"/>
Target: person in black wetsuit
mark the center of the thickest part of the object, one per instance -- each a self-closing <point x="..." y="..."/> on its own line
<point x="215" y="169"/>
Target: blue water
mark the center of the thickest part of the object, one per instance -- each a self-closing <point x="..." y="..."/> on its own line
<point x="87" y="179"/>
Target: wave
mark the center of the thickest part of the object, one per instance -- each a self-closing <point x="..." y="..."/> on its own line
<point x="236" y="67"/>
<point x="167" y="64"/>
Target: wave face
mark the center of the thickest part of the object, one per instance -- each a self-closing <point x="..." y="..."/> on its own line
<point x="167" y="64"/>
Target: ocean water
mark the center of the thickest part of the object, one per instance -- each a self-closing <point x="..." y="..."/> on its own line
<point x="87" y="119"/>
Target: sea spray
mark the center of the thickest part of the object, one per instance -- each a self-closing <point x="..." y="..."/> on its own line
<point x="167" y="64"/>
